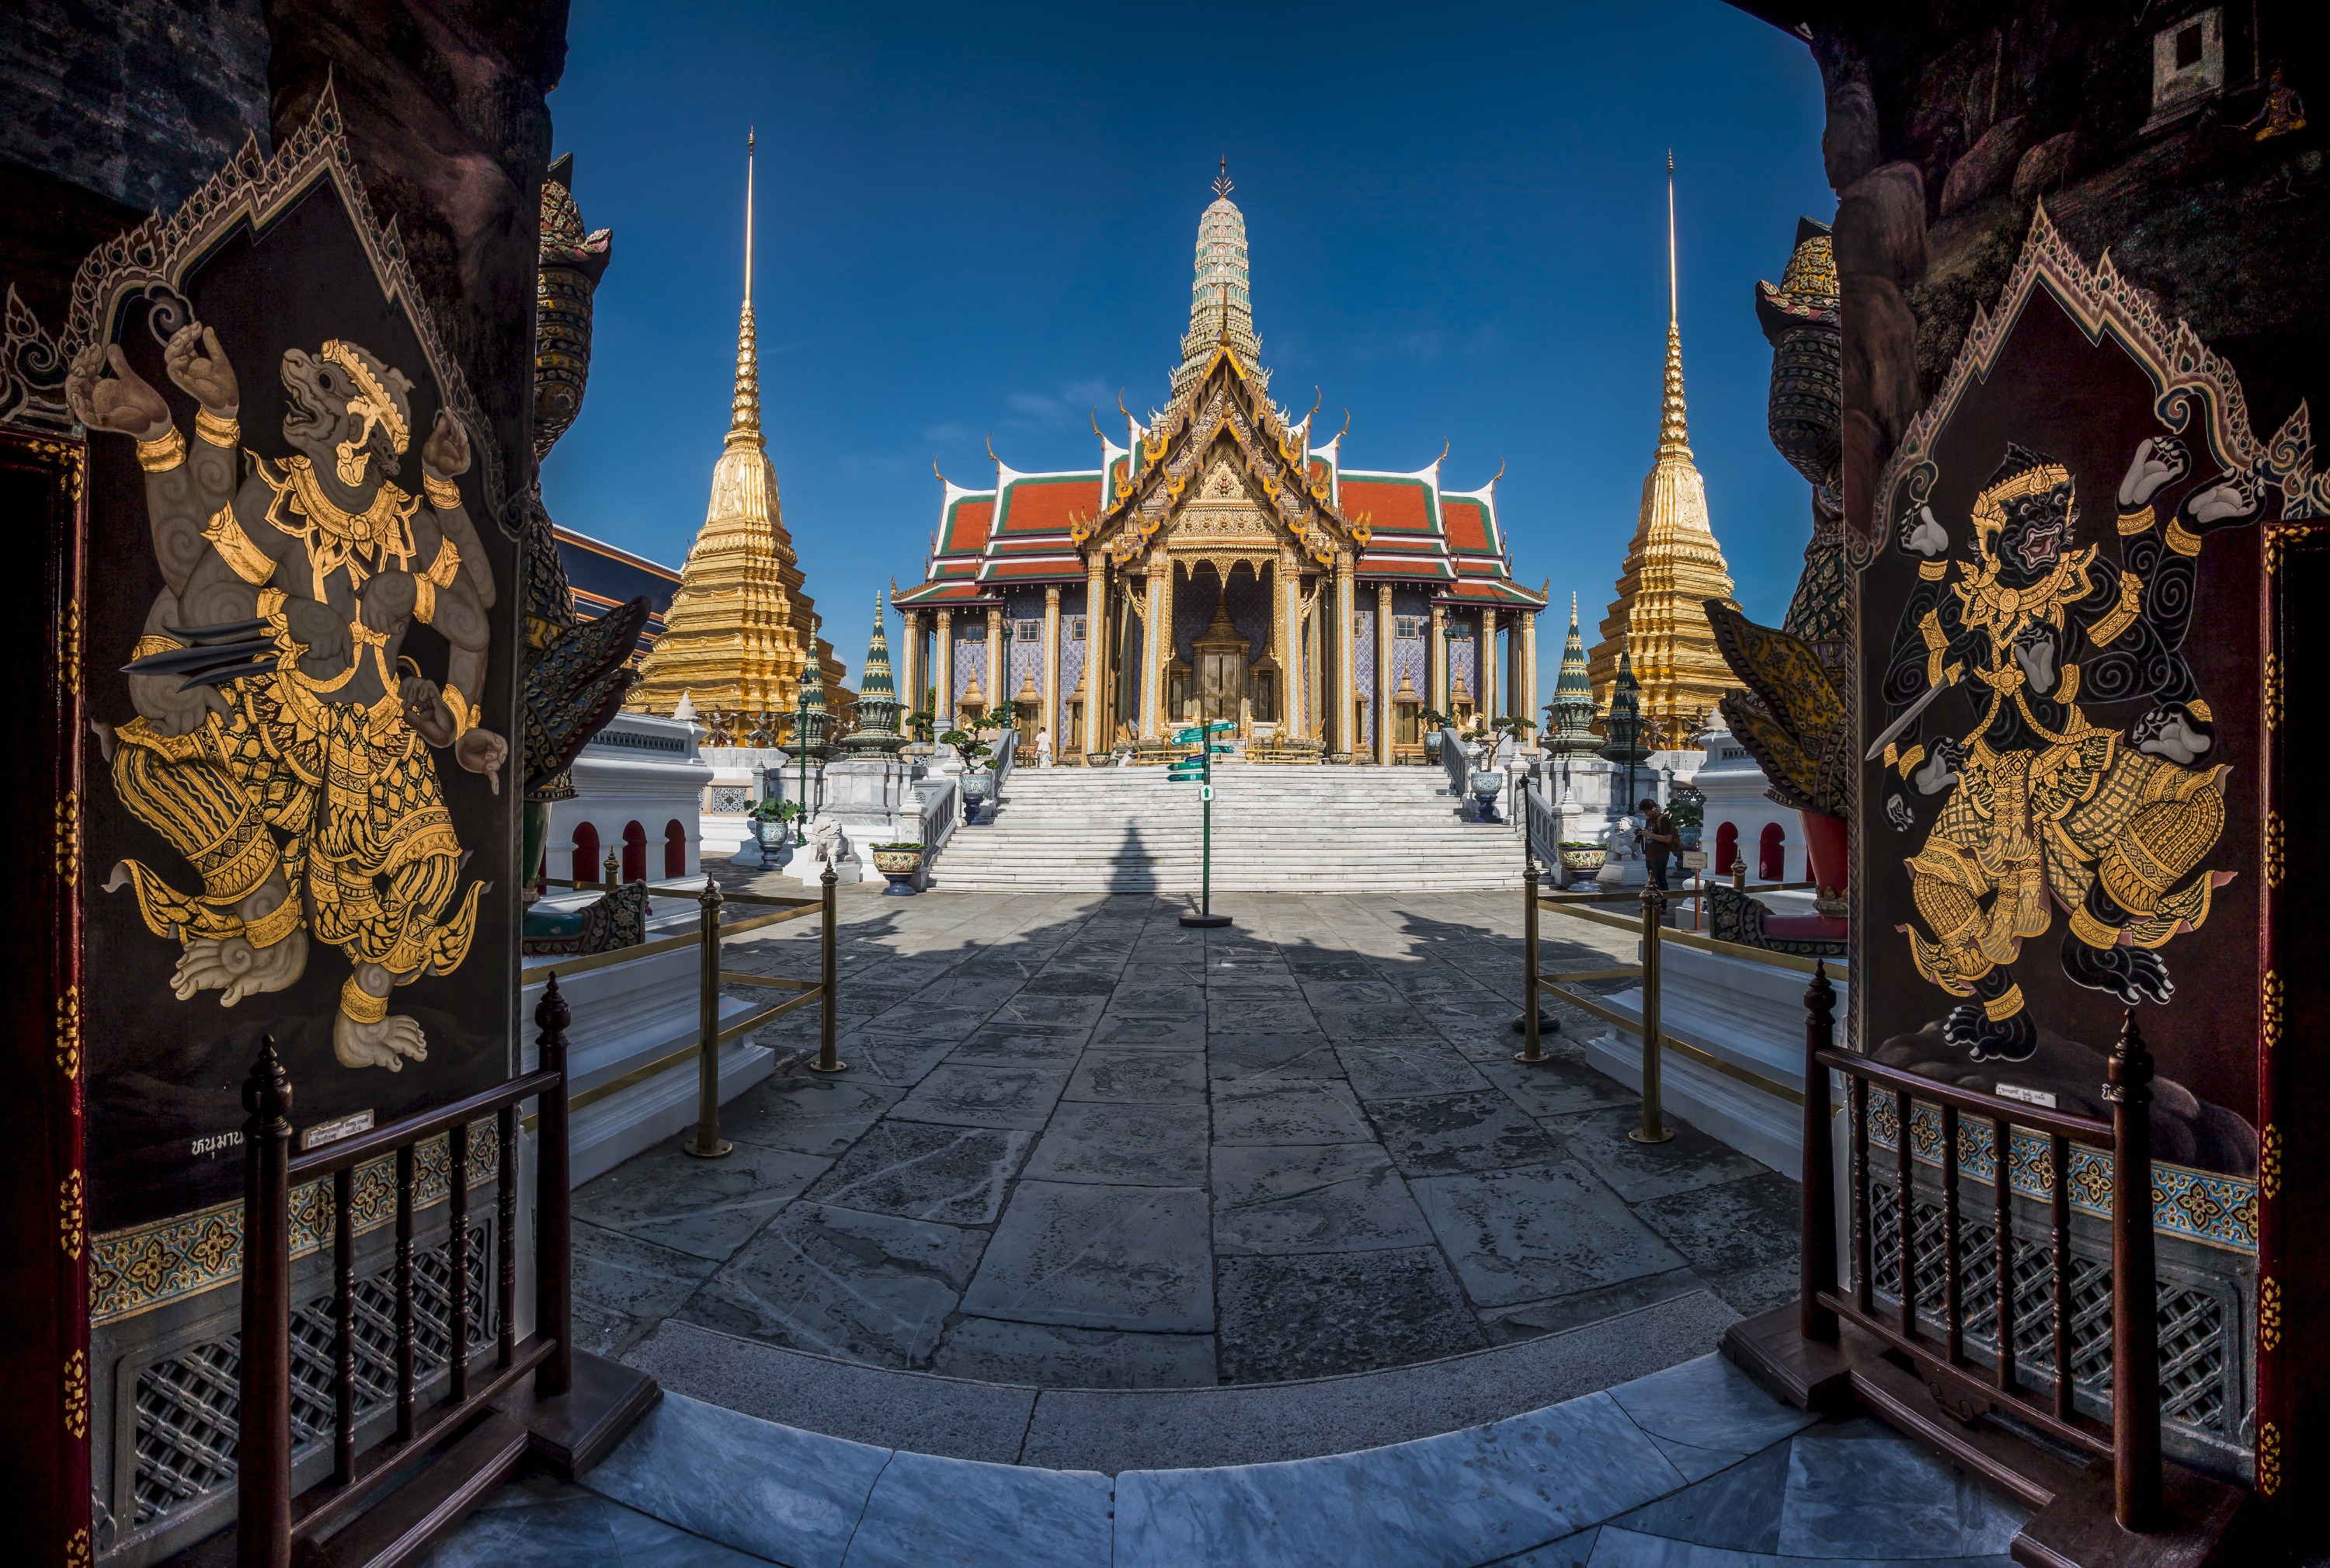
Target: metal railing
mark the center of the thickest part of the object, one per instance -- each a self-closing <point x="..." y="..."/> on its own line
<point x="712" y="1034"/>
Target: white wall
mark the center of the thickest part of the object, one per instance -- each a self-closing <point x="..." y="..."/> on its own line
<point x="1735" y="787"/>
<point x="638" y="769"/>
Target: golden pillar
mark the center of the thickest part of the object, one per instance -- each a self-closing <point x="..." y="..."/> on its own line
<point x="1488" y="663"/>
<point x="1383" y="673"/>
<point x="1526" y="682"/>
<point x="1156" y="588"/>
<point x="999" y="668"/>
<point x="1096" y="643"/>
<point x="1286" y="637"/>
<point x="1051" y="721"/>
<point x="945" y="639"/>
<point x="1347" y="685"/>
<point x="1435" y="660"/>
<point x="910" y="631"/>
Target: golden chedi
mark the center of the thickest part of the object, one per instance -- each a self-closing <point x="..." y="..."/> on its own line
<point x="1673" y="567"/>
<point x="740" y="629"/>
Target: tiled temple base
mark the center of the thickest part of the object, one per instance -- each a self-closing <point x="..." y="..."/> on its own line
<point x="1690" y="1467"/>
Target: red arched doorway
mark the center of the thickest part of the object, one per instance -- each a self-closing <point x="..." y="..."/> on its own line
<point x="675" y="848"/>
<point x="586" y="851"/>
<point x="1772" y="856"/>
<point x="635" y="853"/>
<point x="1727" y="850"/>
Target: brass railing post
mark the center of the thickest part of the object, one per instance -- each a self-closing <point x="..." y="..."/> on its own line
<point x="1818" y="1256"/>
<point x="2135" y="1333"/>
<point x="707" y="1143"/>
<point x="826" y="1061"/>
<point x="1529" y="1052"/>
<point x="263" y="1422"/>
<point x="1655" y="1128"/>
<point x="554" y="1237"/>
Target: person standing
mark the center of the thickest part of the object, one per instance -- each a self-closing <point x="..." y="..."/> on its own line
<point x="1044" y="748"/>
<point x="1659" y="841"/>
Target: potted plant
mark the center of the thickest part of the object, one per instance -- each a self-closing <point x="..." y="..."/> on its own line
<point x="770" y="821"/>
<point x="978" y="783"/>
<point x="898" y="863"/>
<point x="1431" y="720"/>
<point x="1582" y="860"/>
<point x="1689" y="816"/>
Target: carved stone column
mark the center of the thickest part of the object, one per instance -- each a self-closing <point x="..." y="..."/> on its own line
<point x="945" y="639"/>
<point x="1488" y="663"/>
<point x="1286" y="634"/>
<point x="1051" y="720"/>
<point x="1346" y="683"/>
<point x="1383" y="674"/>
<point x="1155" y="638"/>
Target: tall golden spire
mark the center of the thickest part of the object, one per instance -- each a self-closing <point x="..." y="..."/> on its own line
<point x="1673" y="564"/>
<point x="740" y="630"/>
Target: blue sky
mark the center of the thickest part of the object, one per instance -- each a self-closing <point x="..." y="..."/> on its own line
<point x="980" y="220"/>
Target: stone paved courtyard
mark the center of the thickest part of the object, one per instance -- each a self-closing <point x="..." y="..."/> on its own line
<point x="1080" y="1145"/>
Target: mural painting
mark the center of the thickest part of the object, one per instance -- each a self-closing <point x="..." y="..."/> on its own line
<point x="2060" y="705"/>
<point x="297" y="823"/>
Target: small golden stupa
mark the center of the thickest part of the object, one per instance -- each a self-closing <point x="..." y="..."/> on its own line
<point x="740" y="629"/>
<point x="1673" y="567"/>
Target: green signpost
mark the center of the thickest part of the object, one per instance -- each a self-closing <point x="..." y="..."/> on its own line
<point x="1199" y="770"/>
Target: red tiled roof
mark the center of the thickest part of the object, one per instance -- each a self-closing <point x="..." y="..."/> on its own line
<point x="1391" y="505"/>
<point x="1048" y="504"/>
<point x="1468" y="524"/>
<point x="1019" y="567"/>
<point x="1408" y="563"/>
<point x="967" y="525"/>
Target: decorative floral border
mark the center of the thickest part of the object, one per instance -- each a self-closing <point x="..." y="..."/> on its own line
<point x="147" y="1266"/>
<point x="256" y="189"/>
<point x="2217" y="1211"/>
<point x="2192" y="381"/>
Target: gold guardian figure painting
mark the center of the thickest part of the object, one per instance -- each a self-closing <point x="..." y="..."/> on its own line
<point x="298" y="803"/>
<point x="273" y="691"/>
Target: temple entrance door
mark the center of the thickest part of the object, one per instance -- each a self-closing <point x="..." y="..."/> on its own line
<point x="1221" y="651"/>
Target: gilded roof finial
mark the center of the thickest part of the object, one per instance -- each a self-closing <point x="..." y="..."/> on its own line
<point x="1674" y="430"/>
<point x="745" y="416"/>
<point x="1221" y="186"/>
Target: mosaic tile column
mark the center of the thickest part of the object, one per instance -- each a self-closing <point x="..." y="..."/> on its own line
<point x="1526" y="685"/>
<point x="1436" y="655"/>
<point x="1287" y="632"/>
<point x="1383" y="674"/>
<point x="1344" y="682"/>
<point x="1097" y="672"/>
<point x="1052" y="667"/>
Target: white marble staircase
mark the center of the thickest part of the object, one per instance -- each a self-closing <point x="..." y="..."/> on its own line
<point x="1277" y="830"/>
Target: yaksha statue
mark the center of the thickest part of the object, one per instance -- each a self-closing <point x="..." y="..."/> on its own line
<point x="2047" y="810"/>
<point x="281" y="741"/>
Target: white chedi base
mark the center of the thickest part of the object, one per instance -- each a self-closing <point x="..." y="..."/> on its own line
<point x="625" y="1017"/>
<point x="1747" y="1013"/>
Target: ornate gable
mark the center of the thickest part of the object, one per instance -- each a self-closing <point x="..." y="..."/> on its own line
<point x="1220" y="463"/>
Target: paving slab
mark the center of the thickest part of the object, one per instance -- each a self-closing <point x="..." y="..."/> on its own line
<point x="1139" y="1077"/>
<point x="809" y="1113"/>
<point x="925" y="1171"/>
<point x="1269" y="1112"/>
<point x="709" y="1207"/>
<point x="1338" y="1197"/>
<point x="979" y="1094"/>
<point x="870" y="1287"/>
<point x="1314" y="1314"/>
<point x="1093" y="1256"/>
<point x="636" y="1277"/>
<point x="1158" y="1145"/>
<point x="1439" y="1134"/>
<point x="1545" y="1231"/>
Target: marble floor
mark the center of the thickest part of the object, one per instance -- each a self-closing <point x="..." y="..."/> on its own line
<point x="1693" y="1467"/>
<point x="1080" y="1145"/>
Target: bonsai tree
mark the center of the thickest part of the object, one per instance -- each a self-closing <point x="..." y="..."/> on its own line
<point x="1434" y="721"/>
<point x="1515" y="725"/>
<point x="920" y="723"/>
<point x="973" y="749"/>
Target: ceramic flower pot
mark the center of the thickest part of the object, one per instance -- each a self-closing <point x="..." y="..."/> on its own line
<point x="898" y="863"/>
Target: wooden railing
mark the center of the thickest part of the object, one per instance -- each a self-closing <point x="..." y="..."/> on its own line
<point x="2131" y="1440"/>
<point x="269" y="1517"/>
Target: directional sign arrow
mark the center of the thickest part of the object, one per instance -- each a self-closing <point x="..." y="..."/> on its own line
<point x="1185" y="737"/>
<point x="1220" y="727"/>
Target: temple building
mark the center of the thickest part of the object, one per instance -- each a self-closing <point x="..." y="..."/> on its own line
<point x="602" y="577"/>
<point x="739" y="631"/>
<point x="1322" y="608"/>
<point x="1673" y="567"/>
